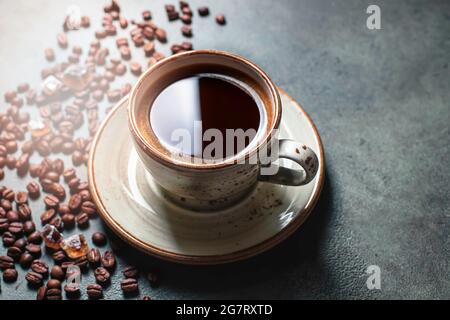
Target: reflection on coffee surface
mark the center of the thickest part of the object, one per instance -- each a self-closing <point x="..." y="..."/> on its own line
<point x="206" y="115"/>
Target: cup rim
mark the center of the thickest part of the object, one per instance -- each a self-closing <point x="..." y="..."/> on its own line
<point x="163" y="158"/>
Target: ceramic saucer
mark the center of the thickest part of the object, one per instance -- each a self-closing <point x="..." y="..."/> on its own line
<point x="131" y="204"/>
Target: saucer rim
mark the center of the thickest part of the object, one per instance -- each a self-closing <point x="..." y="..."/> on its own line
<point x="207" y="259"/>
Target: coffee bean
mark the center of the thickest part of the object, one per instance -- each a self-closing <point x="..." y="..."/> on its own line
<point x="20" y="243"/>
<point x="59" y="256"/>
<point x="125" y="52"/>
<point x="43" y="148"/>
<point x="72" y="289"/>
<point x="57" y="273"/>
<point x="131" y="272"/>
<point x="85" y="21"/>
<point x="4" y="225"/>
<point x="102" y="276"/>
<point x="186" y="31"/>
<point x="47" y="216"/>
<point x="85" y="195"/>
<point x="53" y="294"/>
<point x="220" y="19"/>
<point x="99" y="238"/>
<point x="46" y="185"/>
<point x="58" y="190"/>
<point x="16" y="228"/>
<point x="94" y="291"/>
<point x="82" y="220"/>
<point x="120" y="69"/>
<point x="53" y="176"/>
<point x="73" y="184"/>
<point x="186" y="19"/>
<point x="29" y="227"/>
<point x="21" y="197"/>
<point x="149" y="49"/>
<point x="129" y="285"/>
<point x="69" y="221"/>
<point x="14" y="253"/>
<point x="51" y="202"/>
<point x="81" y="262"/>
<point x="41" y="293"/>
<point x="11" y="215"/>
<point x="203" y="11"/>
<point x="94" y="257"/>
<point x="169" y="7"/>
<point x="108" y="260"/>
<point x="172" y="15"/>
<point x="135" y="68"/>
<point x="33" y="278"/>
<point x="24" y="212"/>
<point x="69" y="174"/>
<point x="161" y="35"/>
<point x="35" y="237"/>
<point x="147" y="15"/>
<point x="25" y="260"/>
<point x="34" y="249"/>
<point x="33" y="189"/>
<point x="123" y="22"/>
<point x="89" y="208"/>
<point x="62" y="40"/>
<point x="10" y="95"/>
<point x="8" y="194"/>
<point x="114" y="95"/>
<point x="10" y="275"/>
<point x="40" y="267"/>
<point x="49" y="54"/>
<point x="6" y="262"/>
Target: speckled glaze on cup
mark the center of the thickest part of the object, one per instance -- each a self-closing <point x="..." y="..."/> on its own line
<point x="209" y="186"/>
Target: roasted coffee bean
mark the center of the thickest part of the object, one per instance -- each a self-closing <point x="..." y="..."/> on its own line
<point x="85" y="21"/>
<point x="21" y="197"/>
<point x="24" y="212"/>
<point x="40" y="267"/>
<point x="161" y="35"/>
<point x="51" y="202"/>
<point x="46" y="185"/>
<point x="53" y="294"/>
<point x="29" y="227"/>
<point x="11" y="162"/>
<point x="129" y="285"/>
<point x="43" y="148"/>
<point x="58" y="190"/>
<point x="33" y="189"/>
<point x="123" y="22"/>
<point x="6" y="262"/>
<point x="186" y="31"/>
<point x="7" y="206"/>
<point x="49" y="54"/>
<point x="57" y="273"/>
<point x="68" y="220"/>
<point x="120" y="69"/>
<point x="47" y="216"/>
<point x="12" y="216"/>
<point x="131" y="272"/>
<point x="94" y="257"/>
<point x="53" y="176"/>
<point x="8" y="194"/>
<point x="125" y="52"/>
<point x="186" y="19"/>
<point x="149" y="49"/>
<point x="126" y="88"/>
<point x="135" y="68"/>
<point x="173" y="15"/>
<point x="102" y="275"/>
<point x="16" y="228"/>
<point x="89" y="208"/>
<point x="10" y="95"/>
<point x="146" y="15"/>
<point x="99" y="238"/>
<point x="20" y="243"/>
<point x="108" y="260"/>
<point x="34" y="249"/>
<point x="41" y="293"/>
<point x="73" y="184"/>
<point x="62" y="40"/>
<point x="27" y="147"/>
<point x="54" y="284"/>
<point x="11" y="146"/>
<point x="94" y="291"/>
<point x="14" y="253"/>
<point x="82" y="220"/>
<point x="10" y="275"/>
<point x="35" y="237"/>
<point x="59" y="256"/>
<point x="69" y="174"/>
<point x="220" y="19"/>
<point x="58" y="166"/>
<point x="34" y="170"/>
<point x="114" y="95"/>
<point x="25" y="260"/>
<point x="33" y="278"/>
<point x="203" y="11"/>
<point x="169" y="7"/>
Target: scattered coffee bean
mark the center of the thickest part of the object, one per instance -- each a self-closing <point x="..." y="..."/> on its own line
<point x="34" y="249"/>
<point x="41" y="293"/>
<point x="35" y="237"/>
<point x="57" y="273"/>
<point x="47" y="216"/>
<point x="102" y="276"/>
<point x="108" y="260"/>
<point x="49" y="54"/>
<point x="131" y="272"/>
<point x="220" y="19"/>
<point x="146" y="15"/>
<point x="6" y="262"/>
<point x="53" y="293"/>
<point x="94" y="291"/>
<point x="186" y="31"/>
<point x="82" y="220"/>
<point x="62" y="40"/>
<point x="161" y="35"/>
<point x="24" y="212"/>
<point x="94" y="257"/>
<point x="129" y="285"/>
<point x="68" y="220"/>
<point x="10" y="275"/>
<point x="29" y="227"/>
<point x="33" y="278"/>
<point x="99" y="238"/>
<point x="16" y="228"/>
<point x="40" y="267"/>
<point x="33" y="189"/>
<point x="203" y="11"/>
<point x="51" y="202"/>
<point x="20" y="243"/>
<point x="59" y="256"/>
<point x="14" y="253"/>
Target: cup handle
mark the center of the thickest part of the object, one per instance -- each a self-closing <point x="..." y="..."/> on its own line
<point x="299" y="153"/>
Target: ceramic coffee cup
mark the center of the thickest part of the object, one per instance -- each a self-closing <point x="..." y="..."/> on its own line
<point x="207" y="186"/>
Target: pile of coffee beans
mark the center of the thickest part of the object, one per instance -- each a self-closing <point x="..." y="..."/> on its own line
<point x="68" y="106"/>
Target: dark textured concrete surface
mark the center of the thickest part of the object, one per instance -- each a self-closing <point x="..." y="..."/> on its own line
<point x="381" y="101"/>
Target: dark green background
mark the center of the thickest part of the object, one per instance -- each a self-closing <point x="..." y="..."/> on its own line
<point x="381" y="102"/>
